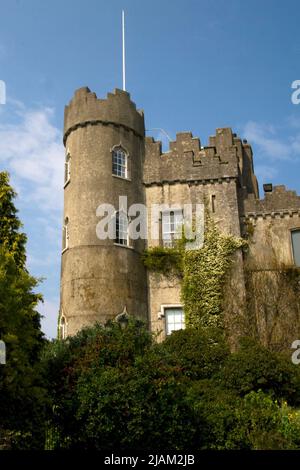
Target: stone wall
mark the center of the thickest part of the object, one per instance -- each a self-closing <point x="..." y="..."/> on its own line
<point x="270" y="221"/>
<point x="273" y="282"/>
<point x="189" y="173"/>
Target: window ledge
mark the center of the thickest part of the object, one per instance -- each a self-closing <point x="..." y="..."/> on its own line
<point x="124" y="246"/>
<point x="66" y="183"/>
<point x="121" y="178"/>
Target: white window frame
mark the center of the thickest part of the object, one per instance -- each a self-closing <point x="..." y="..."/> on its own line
<point x="118" y="239"/>
<point x="173" y="231"/>
<point x="63" y="326"/>
<point x="67" y="168"/>
<point x="162" y="315"/>
<point x="120" y="174"/>
<point x="66" y="234"/>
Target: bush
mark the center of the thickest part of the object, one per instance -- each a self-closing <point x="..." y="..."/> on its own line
<point x="199" y="352"/>
<point x="118" y="389"/>
<point x="255" y="368"/>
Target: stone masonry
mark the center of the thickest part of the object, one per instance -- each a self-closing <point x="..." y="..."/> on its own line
<point x="100" y="278"/>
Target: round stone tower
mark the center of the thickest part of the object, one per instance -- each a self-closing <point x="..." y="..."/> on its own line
<point x="105" y="149"/>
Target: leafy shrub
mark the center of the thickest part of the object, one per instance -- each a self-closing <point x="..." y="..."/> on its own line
<point x="118" y="389"/>
<point x="254" y="368"/>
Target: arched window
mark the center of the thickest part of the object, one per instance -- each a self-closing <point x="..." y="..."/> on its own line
<point x="119" y="162"/>
<point x="296" y="246"/>
<point x="121" y="221"/>
<point x="67" y="167"/>
<point x="66" y="234"/>
<point x="62" y="327"/>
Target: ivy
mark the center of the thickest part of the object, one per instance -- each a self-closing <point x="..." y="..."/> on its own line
<point x="204" y="276"/>
<point x="202" y="272"/>
<point x="166" y="261"/>
<point x="292" y="275"/>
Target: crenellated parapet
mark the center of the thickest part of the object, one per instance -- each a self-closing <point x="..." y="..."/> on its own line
<point x="277" y="201"/>
<point x="224" y="157"/>
<point x="117" y="110"/>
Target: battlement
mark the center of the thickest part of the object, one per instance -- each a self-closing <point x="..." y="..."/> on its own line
<point x="117" y="109"/>
<point x="186" y="159"/>
<point x="277" y="200"/>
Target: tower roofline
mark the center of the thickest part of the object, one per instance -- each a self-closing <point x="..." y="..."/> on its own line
<point x="85" y="108"/>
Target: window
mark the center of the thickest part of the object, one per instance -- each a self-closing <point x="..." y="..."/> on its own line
<point x="119" y="162"/>
<point x="66" y="234"/>
<point x="213" y="203"/>
<point x="121" y="229"/>
<point x="171" y="227"/>
<point x="296" y="246"/>
<point x="174" y="317"/>
<point x="62" y="327"/>
<point x="67" y="167"/>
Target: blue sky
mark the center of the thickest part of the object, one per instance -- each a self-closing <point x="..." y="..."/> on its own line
<point x="191" y="65"/>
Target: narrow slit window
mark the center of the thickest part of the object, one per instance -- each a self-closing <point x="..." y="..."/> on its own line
<point x="66" y="234"/>
<point x="62" y="327"/>
<point x="67" y="168"/>
<point x="213" y="203"/>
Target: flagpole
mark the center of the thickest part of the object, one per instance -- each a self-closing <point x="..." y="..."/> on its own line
<point x="123" y="49"/>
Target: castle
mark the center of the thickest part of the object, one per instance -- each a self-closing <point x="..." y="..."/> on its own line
<point x="107" y="156"/>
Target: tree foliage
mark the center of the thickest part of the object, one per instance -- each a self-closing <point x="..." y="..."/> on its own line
<point x="119" y="389"/>
<point x="22" y="394"/>
<point x="11" y="239"/>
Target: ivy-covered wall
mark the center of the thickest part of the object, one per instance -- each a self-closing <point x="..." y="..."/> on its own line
<point x="202" y="272"/>
<point x="272" y="281"/>
<point x="204" y="276"/>
<point x="273" y="306"/>
<point x="212" y="281"/>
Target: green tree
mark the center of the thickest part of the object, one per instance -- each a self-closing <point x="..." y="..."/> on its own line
<point x="22" y="394"/>
<point x="11" y="238"/>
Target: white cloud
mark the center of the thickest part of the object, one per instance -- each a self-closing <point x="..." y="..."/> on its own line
<point x="32" y="151"/>
<point x="267" y="142"/>
<point x="293" y="122"/>
<point x="265" y="172"/>
<point x="275" y="148"/>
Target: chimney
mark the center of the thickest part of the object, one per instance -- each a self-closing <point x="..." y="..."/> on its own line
<point x="268" y="188"/>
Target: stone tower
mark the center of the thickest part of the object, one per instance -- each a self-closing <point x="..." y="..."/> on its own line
<point x="100" y="277"/>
